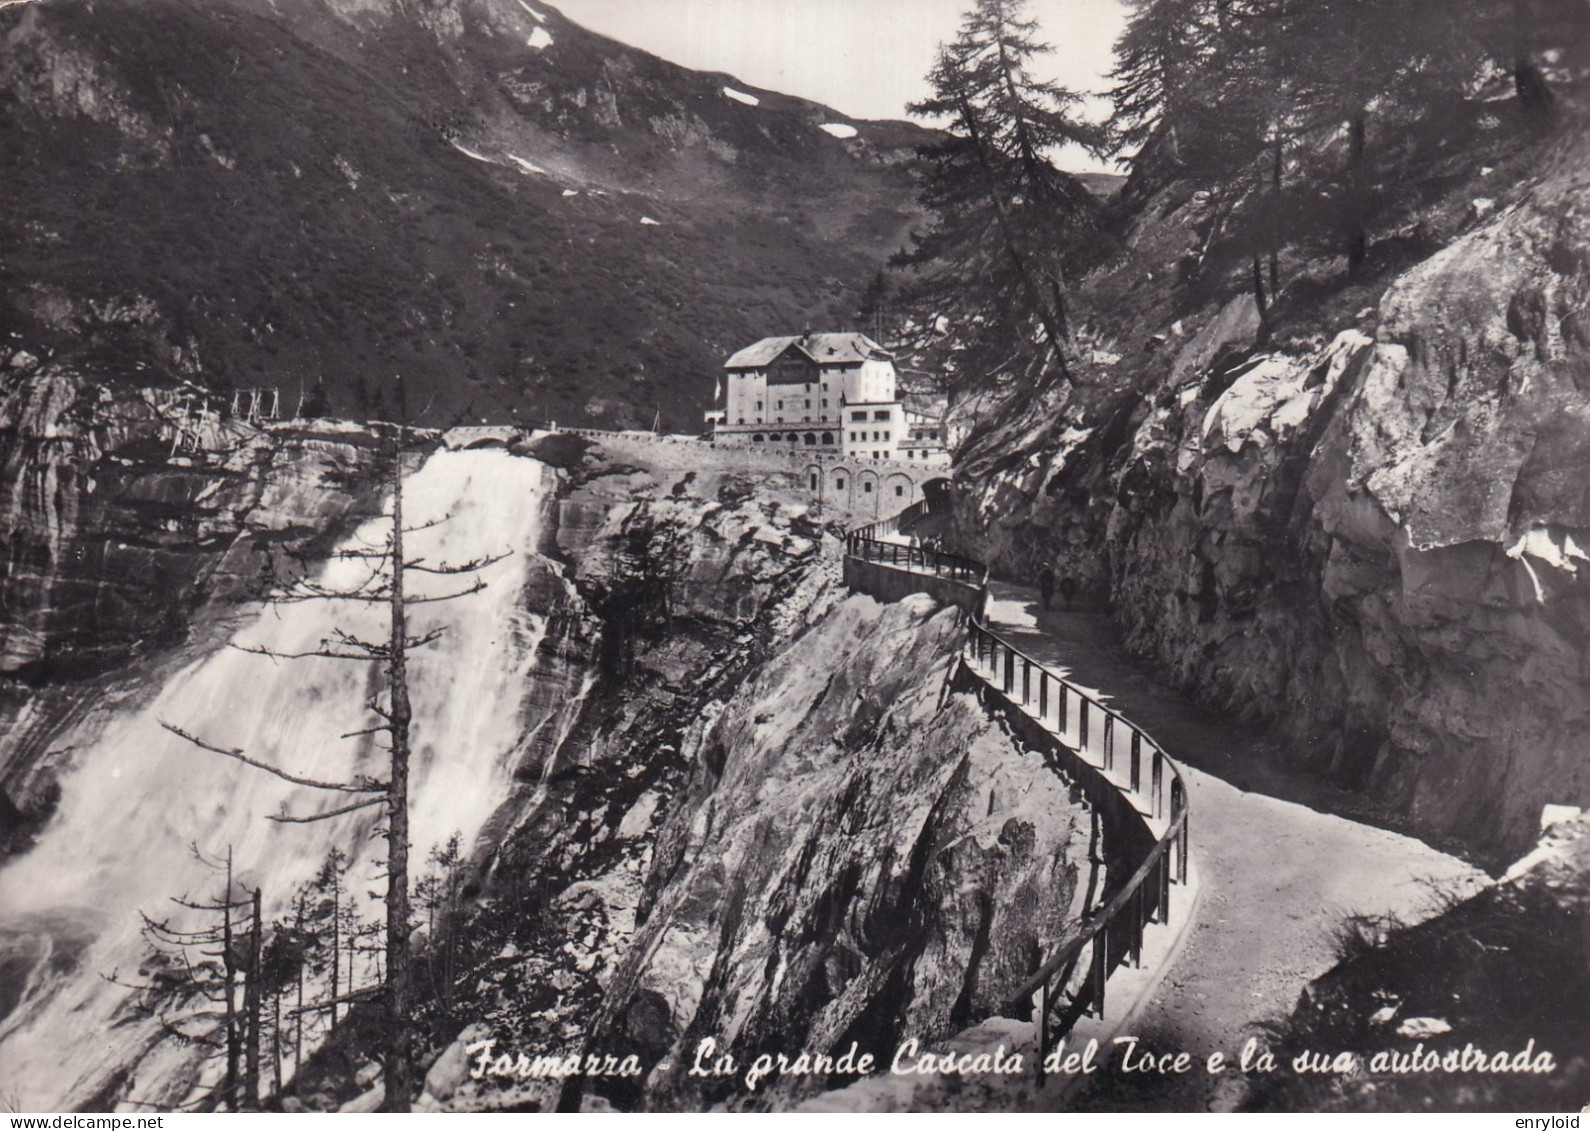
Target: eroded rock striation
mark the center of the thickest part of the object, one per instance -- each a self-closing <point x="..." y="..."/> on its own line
<point x="1372" y="536"/>
<point x="125" y="514"/>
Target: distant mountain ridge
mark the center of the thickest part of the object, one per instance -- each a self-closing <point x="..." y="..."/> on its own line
<point x="525" y="219"/>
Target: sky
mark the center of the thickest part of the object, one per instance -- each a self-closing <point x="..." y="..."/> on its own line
<point x="865" y="58"/>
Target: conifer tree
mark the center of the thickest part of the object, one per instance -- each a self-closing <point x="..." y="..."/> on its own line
<point x="1006" y="219"/>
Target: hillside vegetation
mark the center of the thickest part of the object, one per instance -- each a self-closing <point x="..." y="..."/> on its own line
<point x="526" y="220"/>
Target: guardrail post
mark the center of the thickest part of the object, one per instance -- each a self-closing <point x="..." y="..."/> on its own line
<point x="1109" y="741"/>
<point x="1026" y="681"/>
<point x="1082" y="721"/>
<point x="1135" y="925"/>
<point x="1099" y="969"/>
<point x="1137" y="761"/>
<point x="1043" y="694"/>
<point x="1043" y="1028"/>
<point x="1010" y="670"/>
<point x="1060" y="709"/>
<point x="1158" y="779"/>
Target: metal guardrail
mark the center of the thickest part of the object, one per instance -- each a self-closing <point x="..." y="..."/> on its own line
<point x="1081" y="738"/>
<point x="1084" y="739"/>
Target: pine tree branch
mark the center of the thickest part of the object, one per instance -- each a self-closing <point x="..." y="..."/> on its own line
<point x="363" y="786"/>
<point x="288" y="819"/>
<point x="313" y="654"/>
<point x="446" y="568"/>
<point x="376" y="729"/>
<point x="475" y="588"/>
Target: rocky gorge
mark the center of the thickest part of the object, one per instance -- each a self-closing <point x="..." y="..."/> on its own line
<point x="700" y="791"/>
<point x="1365" y="533"/>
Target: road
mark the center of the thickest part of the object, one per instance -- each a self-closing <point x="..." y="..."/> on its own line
<point x="1280" y="871"/>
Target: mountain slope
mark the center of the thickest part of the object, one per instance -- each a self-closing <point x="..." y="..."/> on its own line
<point x="523" y="218"/>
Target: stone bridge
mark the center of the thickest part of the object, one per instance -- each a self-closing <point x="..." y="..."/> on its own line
<point x="866" y="487"/>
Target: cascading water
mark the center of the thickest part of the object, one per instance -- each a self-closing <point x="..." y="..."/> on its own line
<point x="140" y="799"/>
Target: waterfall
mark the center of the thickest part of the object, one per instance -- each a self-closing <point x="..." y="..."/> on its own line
<point x="139" y="799"/>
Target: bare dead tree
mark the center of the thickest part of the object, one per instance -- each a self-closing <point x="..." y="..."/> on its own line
<point x="188" y="997"/>
<point x="386" y="584"/>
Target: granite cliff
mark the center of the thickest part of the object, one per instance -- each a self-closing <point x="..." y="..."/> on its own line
<point x="1367" y="532"/>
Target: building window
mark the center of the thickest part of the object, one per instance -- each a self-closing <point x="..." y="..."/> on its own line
<point x="814" y="481"/>
<point x="855" y="416"/>
<point x="866" y="488"/>
<point x="880" y="414"/>
<point x="886" y="435"/>
<point x="811" y="439"/>
<point x="899" y="491"/>
<point x="781" y="405"/>
<point x="740" y="421"/>
<point x="808" y="402"/>
<point x="874" y="437"/>
<point x="839" y="484"/>
<point x="825" y="402"/>
<point x="756" y="437"/>
<point x="828" y="438"/>
<point x="758" y="406"/>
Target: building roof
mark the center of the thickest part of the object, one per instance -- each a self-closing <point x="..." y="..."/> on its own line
<point x="825" y="349"/>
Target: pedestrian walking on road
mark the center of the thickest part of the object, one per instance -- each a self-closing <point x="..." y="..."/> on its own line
<point x="1046" y="586"/>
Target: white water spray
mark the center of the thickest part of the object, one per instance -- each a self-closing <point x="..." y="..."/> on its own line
<point x="139" y="797"/>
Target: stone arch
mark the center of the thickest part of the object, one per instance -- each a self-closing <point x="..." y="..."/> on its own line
<point x="828" y="439"/>
<point x="811" y="439"/>
<point x="936" y="492"/>
<point x="899" y="488"/>
<point x="866" y="490"/>
<point x="814" y="478"/>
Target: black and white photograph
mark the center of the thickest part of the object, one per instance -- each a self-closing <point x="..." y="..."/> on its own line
<point x="799" y="556"/>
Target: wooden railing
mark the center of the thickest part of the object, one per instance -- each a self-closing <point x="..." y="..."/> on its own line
<point x="1136" y="791"/>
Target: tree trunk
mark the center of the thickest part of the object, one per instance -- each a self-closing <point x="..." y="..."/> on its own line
<point x="1357" y="236"/>
<point x="1276" y="168"/>
<point x="336" y="941"/>
<point x="298" y="1014"/>
<point x="252" y="1009"/>
<point x="1535" y="96"/>
<point x="399" y="1069"/>
<point x="1259" y="300"/>
<point x="234" y="1046"/>
<point x="276" y="1044"/>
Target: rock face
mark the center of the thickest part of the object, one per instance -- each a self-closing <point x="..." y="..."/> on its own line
<point x="122" y="513"/>
<point x="1374" y="540"/>
<point x="704" y="857"/>
<point x="859" y="856"/>
<point x="1501" y="972"/>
